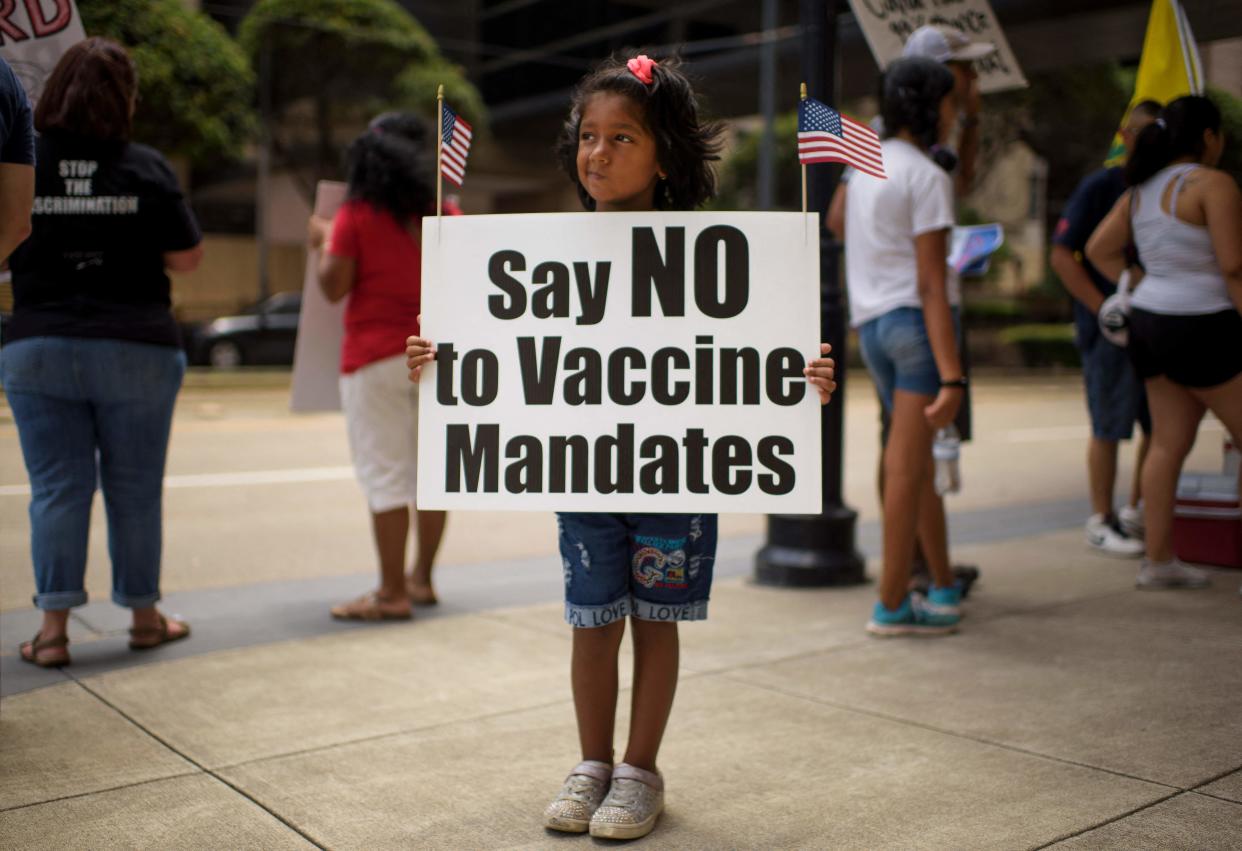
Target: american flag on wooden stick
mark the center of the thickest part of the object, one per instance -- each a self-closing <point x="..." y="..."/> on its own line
<point x="827" y="136"/>
<point x="455" y="145"/>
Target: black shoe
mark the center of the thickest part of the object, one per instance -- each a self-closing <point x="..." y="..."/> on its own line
<point x="964" y="574"/>
<point x="967" y="575"/>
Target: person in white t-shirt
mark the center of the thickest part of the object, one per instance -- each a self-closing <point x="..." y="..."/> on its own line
<point x="957" y="52"/>
<point x="903" y="300"/>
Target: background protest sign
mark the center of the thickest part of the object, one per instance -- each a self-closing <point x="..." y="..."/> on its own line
<point x="623" y="362"/>
<point x="321" y="325"/>
<point x="888" y="23"/>
<point x="33" y="36"/>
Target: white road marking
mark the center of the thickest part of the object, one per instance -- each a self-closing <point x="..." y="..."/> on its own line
<point x="1077" y="432"/>
<point x="1045" y="433"/>
<point x="228" y="480"/>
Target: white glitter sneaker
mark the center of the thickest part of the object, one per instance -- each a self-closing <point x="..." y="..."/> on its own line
<point x="1171" y="574"/>
<point x="634" y="802"/>
<point x="579" y="798"/>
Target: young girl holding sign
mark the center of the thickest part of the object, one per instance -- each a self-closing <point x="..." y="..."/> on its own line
<point x="633" y="141"/>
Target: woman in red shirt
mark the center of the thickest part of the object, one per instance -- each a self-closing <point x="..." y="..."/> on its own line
<point x="373" y="257"/>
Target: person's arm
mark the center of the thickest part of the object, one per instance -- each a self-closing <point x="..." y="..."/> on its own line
<point x="317" y="231"/>
<point x="1075" y="278"/>
<point x="1222" y="208"/>
<point x="968" y="149"/>
<point x="968" y="140"/>
<point x="930" y="251"/>
<point x="168" y="221"/>
<point x="336" y="276"/>
<point x="337" y="243"/>
<point x="17" y="183"/>
<point x="184" y="261"/>
<point x="836" y="211"/>
<point x="1106" y="249"/>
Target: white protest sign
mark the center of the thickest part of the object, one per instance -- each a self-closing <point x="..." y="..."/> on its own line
<point x="888" y="23"/>
<point x="33" y="36"/>
<point x="620" y="362"/>
<point x="321" y="325"/>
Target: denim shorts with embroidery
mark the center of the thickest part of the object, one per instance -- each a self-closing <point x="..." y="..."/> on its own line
<point x="655" y="567"/>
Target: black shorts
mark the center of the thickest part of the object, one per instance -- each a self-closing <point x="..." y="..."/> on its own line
<point x="1203" y="350"/>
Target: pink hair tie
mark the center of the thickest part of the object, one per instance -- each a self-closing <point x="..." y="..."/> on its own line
<point x="640" y="66"/>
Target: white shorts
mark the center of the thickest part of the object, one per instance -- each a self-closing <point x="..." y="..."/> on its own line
<point x="381" y="414"/>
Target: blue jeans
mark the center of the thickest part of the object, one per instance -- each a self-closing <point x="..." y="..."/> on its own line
<point x="897" y="351"/>
<point x="92" y="411"/>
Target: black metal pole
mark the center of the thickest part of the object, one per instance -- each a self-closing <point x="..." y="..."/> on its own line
<point x="807" y="549"/>
<point x="263" y="180"/>
<point x="767" y="105"/>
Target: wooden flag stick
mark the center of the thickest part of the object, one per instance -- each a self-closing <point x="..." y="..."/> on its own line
<point x="802" y="97"/>
<point x="440" y="150"/>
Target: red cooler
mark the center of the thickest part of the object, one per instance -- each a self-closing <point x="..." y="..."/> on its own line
<point x="1207" y="520"/>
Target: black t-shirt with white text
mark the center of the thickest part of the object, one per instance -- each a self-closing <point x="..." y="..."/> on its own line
<point x="104" y="215"/>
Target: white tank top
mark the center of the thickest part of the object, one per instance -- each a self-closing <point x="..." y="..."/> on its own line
<point x="1182" y="276"/>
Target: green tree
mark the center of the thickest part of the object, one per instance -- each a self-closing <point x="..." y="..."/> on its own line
<point x="334" y="63"/>
<point x="739" y="184"/>
<point x="195" y="85"/>
<point x="1069" y="116"/>
<point x="1231" y="126"/>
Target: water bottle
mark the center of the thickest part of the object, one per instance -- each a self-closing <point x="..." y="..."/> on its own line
<point x="945" y="450"/>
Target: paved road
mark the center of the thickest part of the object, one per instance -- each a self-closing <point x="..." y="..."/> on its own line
<point x="1072" y="711"/>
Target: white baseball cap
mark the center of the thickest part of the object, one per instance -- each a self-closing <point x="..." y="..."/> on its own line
<point x="945" y="44"/>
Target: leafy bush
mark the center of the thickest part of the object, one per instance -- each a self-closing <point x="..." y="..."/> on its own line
<point x="739" y="181"/>
<point x="195" y="86"/>
<point x="999" y="310"/>
<point x="1044" y="344"/>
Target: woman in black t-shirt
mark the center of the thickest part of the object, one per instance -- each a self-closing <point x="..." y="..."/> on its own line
<point x="92" y="362"/>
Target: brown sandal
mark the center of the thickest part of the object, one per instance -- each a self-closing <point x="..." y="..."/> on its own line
<point x="30" y="651"/>
<point x="369" y="607"/>
<point x="147" y="637"/>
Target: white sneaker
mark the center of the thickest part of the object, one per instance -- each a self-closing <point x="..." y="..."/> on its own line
<point x="1130" y="519"/>
<point x="1108" y="538"/>
<point x="1170" y="574"/>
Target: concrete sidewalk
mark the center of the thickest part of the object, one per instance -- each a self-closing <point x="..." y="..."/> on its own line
<point x="1071" y="711"/>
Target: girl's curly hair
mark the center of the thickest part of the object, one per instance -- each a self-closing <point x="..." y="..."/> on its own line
<point x="391" y="165"/>
<point x="686" y="144"/>
<point x="913" y="89"/>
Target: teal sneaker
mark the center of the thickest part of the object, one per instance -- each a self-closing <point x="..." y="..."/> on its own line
<point x="912" y="617"/>
<point x="944" y="601"/>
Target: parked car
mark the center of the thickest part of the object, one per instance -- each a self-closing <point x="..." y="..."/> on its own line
<point x="263" y="333"/>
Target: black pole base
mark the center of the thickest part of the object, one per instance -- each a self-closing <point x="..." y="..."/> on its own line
<point x="811" y="551"/>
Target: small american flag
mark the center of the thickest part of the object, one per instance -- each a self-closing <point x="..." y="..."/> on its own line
<point x="827" y="136"/>
<point x="455" y="146"/>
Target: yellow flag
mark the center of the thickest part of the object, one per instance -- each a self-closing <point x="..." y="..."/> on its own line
<point x="1168" y="68"/>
